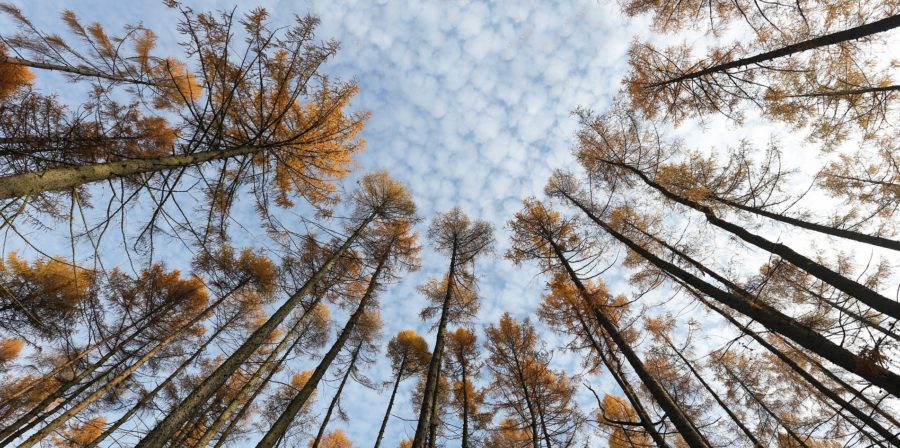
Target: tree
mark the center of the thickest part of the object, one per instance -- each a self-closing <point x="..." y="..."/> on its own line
<point x="454" y="297"/>
<point x="526" y="388"/>
<point x="409" y="355"/>
<point x="464" y="367"/>
<point x="379" y="198"/>
<point x="618" y="415"/>
<point x="335" y="439"/>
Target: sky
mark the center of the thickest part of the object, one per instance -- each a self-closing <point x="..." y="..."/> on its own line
<point x="471" y="105"/>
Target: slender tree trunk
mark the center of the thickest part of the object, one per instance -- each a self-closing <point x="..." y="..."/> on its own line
<point x="681" y="421"/>
<point x="387" y="413"/>
<point x="170" y="424"/>
<point x="465" y="413"/>
<point x="54" y="179"/>
<point x="737" y="420"/>
<point x="280" y="427"/>
<point x="858" y="32"/>
<point x="337" y="396"/>
<point x="152" y="394"/>
<point x="543" y="421"/>
<point x="827" y="230"/>
<point x="848" y="92"/>
<point x="865" y="295"/>
<point x="636" y="404"/>
<point x="434" y="365"/>
<point x="764" y="314"/>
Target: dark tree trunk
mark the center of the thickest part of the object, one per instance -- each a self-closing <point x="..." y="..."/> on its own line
<point x="387" y="413"/>
<point x="336" y="398"/>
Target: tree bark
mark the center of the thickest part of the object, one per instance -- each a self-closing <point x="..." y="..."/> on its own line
<point x="434" y="365"/>
<point x="766" y="315"/>
<point x="170" y="424"/>
<point x="387" y="414"/>
<point x="465" y="413"/>
<point x="849" y="34"/>
<point x="54" y="179"/>
<point x="280" y="427"/>
<point x="827" y="230"/>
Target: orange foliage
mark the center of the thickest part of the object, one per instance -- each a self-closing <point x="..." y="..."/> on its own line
<point x="80" y="435"/>
<point x="10" y="349"/>
<point x="334" y="439"/>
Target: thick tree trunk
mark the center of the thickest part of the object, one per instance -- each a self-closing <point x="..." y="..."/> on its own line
<point x="434" y="422"/>
<point x="681" y="421"/>
<point x="54" y="179"/>
<point x="280" y="427"/>
<point x="865" y="295"/>
<point x="169" y="425"/>
<point x="858" y="32"/>
<point x="764" y="314"/>
<point x="827" y="230"/>
<point x="431" y="379"/>
<point x="387" y="413"/>
<point x="336" y="398"/>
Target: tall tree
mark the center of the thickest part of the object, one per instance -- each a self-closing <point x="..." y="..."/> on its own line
<point x="464" y="367"/>
<point x="409" y="355"/>
<point x="454" y="297"/>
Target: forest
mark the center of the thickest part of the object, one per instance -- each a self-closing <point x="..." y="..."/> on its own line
<point x="203" y="245"/>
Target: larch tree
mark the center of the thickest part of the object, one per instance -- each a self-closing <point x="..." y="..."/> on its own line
<point x="464" y="368"/>
<point x="524" y="386"/>
<point x="409" y="355"/>
<point x="453" y="298"/>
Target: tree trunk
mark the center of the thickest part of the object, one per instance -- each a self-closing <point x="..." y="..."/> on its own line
<point x="811" y="44"/>
<point x="54" y="179"/>
<point x="681" y="421"/>
<point x="280" y="427"/>
<point x="434" y="365"/>
<point x="865" y="295"/>
<point x="465" y="413"/>
<point x="766" y="315"/>
<point x="434" y="422"/>
<point x="848" y="92"/>
<point x="169" y="425"/>
<point x="334" y="400"/>
<point x="387" y="414"/>
<point x="827" y="230"/>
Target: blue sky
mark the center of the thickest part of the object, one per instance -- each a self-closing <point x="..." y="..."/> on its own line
<point x="471" y="105"/>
